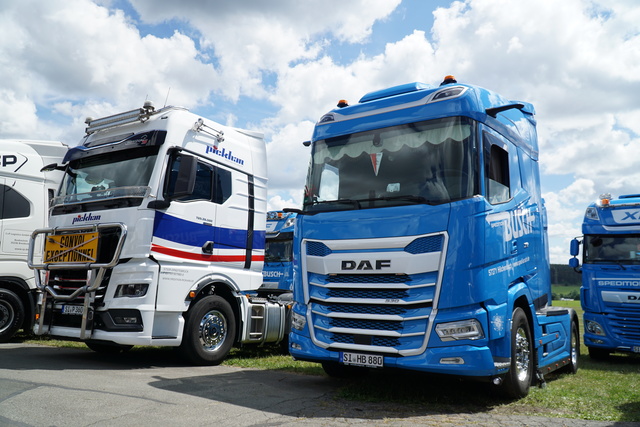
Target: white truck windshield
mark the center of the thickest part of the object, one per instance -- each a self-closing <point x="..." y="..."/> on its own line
<point x="106" y="176"/>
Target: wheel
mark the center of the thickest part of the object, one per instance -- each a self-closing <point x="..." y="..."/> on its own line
<point x="107" y="348"/>
<point x="338" y="370"/>
<point x="518" y="379"/>
<point x="572" y="367"/>
<point x="11" y="314"/>
<point x="209" y="331"/>
<point x="599" y="353"/>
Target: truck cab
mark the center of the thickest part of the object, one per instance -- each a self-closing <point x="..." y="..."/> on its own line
<point x="422" y="244"/>
<point x="278" y="253"/>
<point x="610" y="291"/>
<point x="26" y="188"/>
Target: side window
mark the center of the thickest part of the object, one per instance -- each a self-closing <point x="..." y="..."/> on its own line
<point x="204" y="180"/>
<point x="211" y="183"/>
<point x="14" y="205"/>
<point x="497" y="170"/>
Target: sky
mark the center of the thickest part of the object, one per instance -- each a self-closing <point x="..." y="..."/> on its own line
<point x="277" y="66"/>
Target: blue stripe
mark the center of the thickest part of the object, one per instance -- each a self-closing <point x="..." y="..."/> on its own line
<point x="189" y="233"/>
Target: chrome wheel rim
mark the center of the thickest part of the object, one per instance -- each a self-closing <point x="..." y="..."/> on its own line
<point x="213" y="330"/>
<point x="522" y="355"/>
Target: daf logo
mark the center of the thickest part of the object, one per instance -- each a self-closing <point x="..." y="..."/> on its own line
<point x="632" y="297"/>
<point x="366" y="264"/>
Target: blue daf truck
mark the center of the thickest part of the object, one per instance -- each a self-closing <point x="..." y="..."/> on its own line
<point x="610" y="292"/>
<point x="277" y="271"/>
<point x="422" y="241"/>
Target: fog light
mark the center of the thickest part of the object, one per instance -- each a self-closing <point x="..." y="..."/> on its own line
<point x="125" y="320"/>
<point x="462" y="330"/>
<point x="594" y="328"/>
<point x="131" y="290"/>
<point x="452" y="361"/>
<point x="296" y="346"/>
<point x="298" y="321"/>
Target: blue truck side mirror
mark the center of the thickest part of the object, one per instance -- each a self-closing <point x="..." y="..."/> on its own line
<point x="574" y="247"/>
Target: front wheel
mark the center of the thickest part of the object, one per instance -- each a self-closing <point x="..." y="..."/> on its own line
<point x="518" y="379"/>
<point x="11" y="314"/>
<point x="209" y="331"/>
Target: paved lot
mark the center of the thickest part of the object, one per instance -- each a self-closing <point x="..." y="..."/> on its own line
<point x="46" y="386"/>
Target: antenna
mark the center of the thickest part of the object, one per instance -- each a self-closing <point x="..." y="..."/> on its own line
<point x="165" y="100"/>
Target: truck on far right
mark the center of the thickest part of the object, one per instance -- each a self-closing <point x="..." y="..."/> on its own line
<point x="610" y="291"/>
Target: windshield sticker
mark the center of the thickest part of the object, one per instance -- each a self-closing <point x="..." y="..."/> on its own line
<point x="376" y="158"/>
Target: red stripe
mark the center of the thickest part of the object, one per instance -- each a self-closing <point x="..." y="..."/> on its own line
<point x="201" y="257"/>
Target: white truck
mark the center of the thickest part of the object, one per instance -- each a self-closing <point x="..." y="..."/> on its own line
<point x="157" y="237"/>
<point x="25" y="191"/>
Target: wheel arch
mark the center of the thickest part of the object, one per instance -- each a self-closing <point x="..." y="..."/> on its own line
<point x="222" y="288"/>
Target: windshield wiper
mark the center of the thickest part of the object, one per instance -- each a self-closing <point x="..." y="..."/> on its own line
<point x="353" y="202"/>
<point x="405" y="197"/>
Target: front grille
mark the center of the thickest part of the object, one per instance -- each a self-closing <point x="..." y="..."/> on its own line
<point x="389" y="312"/>
<point x="624" y="321"/>
<point x="368" y="278"/>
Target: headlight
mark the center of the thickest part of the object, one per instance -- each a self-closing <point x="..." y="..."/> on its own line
<point x="298" y="321"/>
<point x="594" y="328"/>
<point x="461" y="330"/>
<point x="132" y="290"/>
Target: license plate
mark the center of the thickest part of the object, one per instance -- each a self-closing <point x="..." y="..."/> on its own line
<point x="636" y="348"/>
<point x="71" y="248"/>
<point x="72" y="309"/>
<point x="360" y="359"/>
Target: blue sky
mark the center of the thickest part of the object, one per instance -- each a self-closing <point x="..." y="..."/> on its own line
<point x="278" y="66"/>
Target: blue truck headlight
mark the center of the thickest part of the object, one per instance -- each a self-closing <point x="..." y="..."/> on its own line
<point x="594" y="328"/>
<point x="298" y="321"/>
<point x="461" y="330"/>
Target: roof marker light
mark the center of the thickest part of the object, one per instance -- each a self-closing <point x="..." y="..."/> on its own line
<point x="605" y="199"/>
<point x="343" y="103"/>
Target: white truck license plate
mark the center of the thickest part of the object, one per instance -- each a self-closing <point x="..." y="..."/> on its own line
<point x="636" y="349"/>
<point x="360" y="359"/>
<point x="72" y="309"/>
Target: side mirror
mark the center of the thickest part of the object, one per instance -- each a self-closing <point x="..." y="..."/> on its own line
<point x="186" y="179"/>
<point x="574" y="263"/>
<point x="574" y="247"/>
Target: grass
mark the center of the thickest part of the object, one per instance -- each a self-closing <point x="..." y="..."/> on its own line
<point x="601" y="390"/>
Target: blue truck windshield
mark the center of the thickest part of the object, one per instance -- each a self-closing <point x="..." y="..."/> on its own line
<point x="106" y="176"/>
<point x="426" y="162"/>
<point x="606" y="249"/>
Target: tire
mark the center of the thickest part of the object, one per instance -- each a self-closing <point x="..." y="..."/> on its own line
<point x="338" y="370"/>
<point x="11" y="314"/>
<point x="599" y="353"/>
<point x="518" y="380"/>
<point x="209" y="331"/>
<point x="108" y="348"/>
<point x="572" y="367"/>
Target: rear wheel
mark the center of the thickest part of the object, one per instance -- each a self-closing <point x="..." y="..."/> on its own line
<point x="209" y="331"/>
<point x="11" y="314"/>
<point x="518" y="379"/>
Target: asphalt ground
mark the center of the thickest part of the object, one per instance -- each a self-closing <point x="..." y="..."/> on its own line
<point x="51" y="386"/>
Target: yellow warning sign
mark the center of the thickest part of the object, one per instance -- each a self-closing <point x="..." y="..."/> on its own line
<point x="71" y="248"/>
